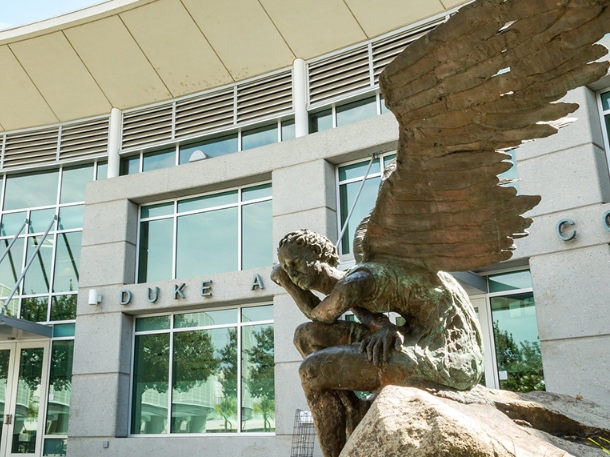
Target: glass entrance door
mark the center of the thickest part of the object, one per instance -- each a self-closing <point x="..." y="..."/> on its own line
<point x="23" y="372"/>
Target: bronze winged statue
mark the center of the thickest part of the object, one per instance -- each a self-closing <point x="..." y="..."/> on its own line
<point x="484" y="81"/>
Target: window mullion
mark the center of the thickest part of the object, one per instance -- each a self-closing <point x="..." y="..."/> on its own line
<point x="239" y="375"/>
<point x="175" y="242"/>
<point x="170" y="377"/>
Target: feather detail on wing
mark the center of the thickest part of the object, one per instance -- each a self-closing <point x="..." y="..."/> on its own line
<point x="484" y="81"/>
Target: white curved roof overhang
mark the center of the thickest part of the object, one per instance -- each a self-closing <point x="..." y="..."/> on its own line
<point x="130" y="53"/>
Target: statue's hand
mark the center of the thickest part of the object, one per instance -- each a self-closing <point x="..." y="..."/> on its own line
<point x="379" y="344"/>
<point x="278" y="275"/>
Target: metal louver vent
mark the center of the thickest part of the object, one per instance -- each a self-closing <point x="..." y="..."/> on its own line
<point x="338" y="75"/>
<point x="30" y="148"/>
<point x="85" y="139"/>
<point x="206" y="112"/>
<point x="385" y="50"/>
<point x="147" y="126"/>
<point x="265" y="97"/>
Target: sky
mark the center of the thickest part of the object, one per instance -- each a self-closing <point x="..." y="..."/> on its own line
<point x="14" y="13"/>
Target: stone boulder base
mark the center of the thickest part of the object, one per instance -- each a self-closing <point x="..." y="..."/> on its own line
<point x="411" y="422"/>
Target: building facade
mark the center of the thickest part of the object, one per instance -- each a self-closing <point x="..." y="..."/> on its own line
<point x="145" y="322"/>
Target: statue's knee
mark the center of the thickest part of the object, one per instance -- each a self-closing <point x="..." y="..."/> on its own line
<point x="303" y="339"/>
<point x="307" y="371"/>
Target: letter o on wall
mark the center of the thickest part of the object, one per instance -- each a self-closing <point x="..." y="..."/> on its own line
<point x="606" y="220"/>
<point x="559" y="230"/>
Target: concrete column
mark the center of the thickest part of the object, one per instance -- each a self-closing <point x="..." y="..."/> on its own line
<point x="299" y="98"/>
<point x="114" y="142"/>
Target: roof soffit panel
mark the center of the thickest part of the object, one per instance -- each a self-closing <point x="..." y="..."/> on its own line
<point x="21" y="104"/>
<point x="314" y="27"/>
<point x="383" y="16"/>
<point x="68" y="88"/>
<point x="117" y="63"/>
<point x="242" y="35"/>
<point x="176" y="47"/>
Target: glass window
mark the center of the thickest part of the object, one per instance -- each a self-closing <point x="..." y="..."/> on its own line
<point x="40" y="220"/>
<point x="157" y="160"/>
<point x="513" y="280"/>
<point x="208" y="201"/>
<point x="130" y="166"/>
<point x="38" y="277"/>
<point x="207" y="243"/>
<point x="355" y="111"/>
<point x="257" y="234"/>
<point x="73" y="181"/>
<point x="350" y="180"/>
<point x="212" y="147"/>
<point x="322" y="120"/>
<point x="156" y="250"/>
<point x="206" y="318"/>
<point x="34" y="308"/>
<point x="150" y="384"/>
<point x="31" y="190"/>
<point x="67" y="260"/>
<point x="160" y="209"/>
<point x="71" y="217"/>
<point x="288" y="130"/>
<point x="12" y="224"/>
<point x="48" y="290"/>
<point x="202" y="352"/>
<point x="259" y="136"/>
<point x="11" y="266"/>
<point x="256" y="192"/>
<point x="152" y="323"/>
<point x="357" y="170"/>
<point x="60" y="389"/>
<point x="63" y="330"/>
<point x="102" y="170"/>
<point x="516" y="341"/>
<point x="209" y="237"/>
<point x="258" y="384"/>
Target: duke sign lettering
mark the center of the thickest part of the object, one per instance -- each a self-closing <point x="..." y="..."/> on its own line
<point x="180" y="291"/>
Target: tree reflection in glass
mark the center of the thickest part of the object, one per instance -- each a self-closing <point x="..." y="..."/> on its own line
<point x="150" y="384"/>
<point x="28" y="396"/>
<point x="258" y="391"/>
<point x="34" y="309"/>
<point x="60" y="388"/>
<point x="193" y="363"/>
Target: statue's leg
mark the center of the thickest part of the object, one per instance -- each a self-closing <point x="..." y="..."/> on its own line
<point x="314" y="336"/>
<point x="325" y="376"/>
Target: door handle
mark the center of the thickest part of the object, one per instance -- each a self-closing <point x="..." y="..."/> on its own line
<point x="8" y="419"/>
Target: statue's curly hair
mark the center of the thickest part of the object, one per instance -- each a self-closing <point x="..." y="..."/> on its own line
<point x="321" y="245"/>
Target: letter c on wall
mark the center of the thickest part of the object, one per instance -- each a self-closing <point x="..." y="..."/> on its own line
<point x="559" y="230"/>
<point x="606" y="220"/>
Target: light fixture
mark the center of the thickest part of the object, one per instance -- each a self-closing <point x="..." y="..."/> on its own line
<point x="198" y="154"/>
<point x="94" y="297"/>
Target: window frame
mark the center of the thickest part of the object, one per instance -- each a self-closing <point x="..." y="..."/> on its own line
<point x="602" y="119"/>
<point x="281" y="125"/>
<point x="239" y="324"/>
<point x="175" y="214"/>
<point x="338" y="183"/>
<point x="491" y="375"/>
<point x="27" y="235"/>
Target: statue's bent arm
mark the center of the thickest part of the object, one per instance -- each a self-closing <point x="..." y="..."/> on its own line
<point x="350" y="292"/>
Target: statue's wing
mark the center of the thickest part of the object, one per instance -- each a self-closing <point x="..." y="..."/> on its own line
<point x="482" y="82"/>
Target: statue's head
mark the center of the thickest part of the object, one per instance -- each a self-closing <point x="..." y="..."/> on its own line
<point x="321" y="246"/>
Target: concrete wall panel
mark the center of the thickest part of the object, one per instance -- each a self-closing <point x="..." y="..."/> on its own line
<point x="578" y="367"/>
<point x="571" y="293"/>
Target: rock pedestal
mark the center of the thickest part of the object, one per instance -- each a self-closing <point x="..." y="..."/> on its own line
<point x="411" y="422"/>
